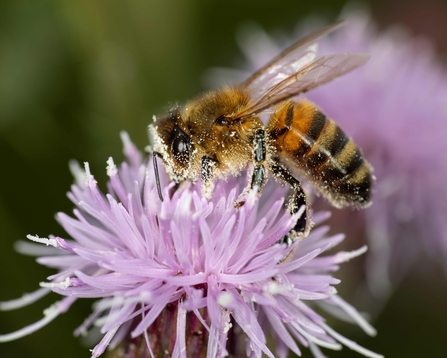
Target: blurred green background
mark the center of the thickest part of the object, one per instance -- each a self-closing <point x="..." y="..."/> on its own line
<point x="73" y="74"/>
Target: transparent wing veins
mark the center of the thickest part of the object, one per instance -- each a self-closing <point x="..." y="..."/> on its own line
<point x="293" y="52"/>
<point x="296" y="70"/>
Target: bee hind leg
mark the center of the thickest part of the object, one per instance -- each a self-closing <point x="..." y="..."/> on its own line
<point x="296" y="201"/>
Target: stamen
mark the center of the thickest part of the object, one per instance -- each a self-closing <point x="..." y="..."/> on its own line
<point x="180" y="342"/>
<point x="25" y="300"/>
<point x="127" y="143"/>
<point x="225" y="299"/>
<point x="111" y="167"/>
<point x="50" y="314"/>
<point x="213" y="343"/>
<point x="42" y="240"/>
<point x="350" y="344"/>
<point x="31" y="249"/>
<point x="62" y="285"/>
<point x="77" y="172"/>
<point x="101" y="346"/>
<point x="345" y="256"/>
<point x="82" y="329"/>
<point x="355" y="315"/>
<point x="146" y="338"/>
<point x="334" y="346"/>
<point x="90" y="180"/>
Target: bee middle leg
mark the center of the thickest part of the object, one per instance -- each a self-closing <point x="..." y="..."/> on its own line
<point x="297" y="200"/>
<point x="258" y="177"/>
<point x="259" y="154"/>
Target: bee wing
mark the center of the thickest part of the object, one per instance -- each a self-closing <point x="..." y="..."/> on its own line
<point x="321" y="70"/>
<point x="288" y="61"/>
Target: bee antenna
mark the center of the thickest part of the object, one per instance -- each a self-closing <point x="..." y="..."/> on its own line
<point x="157" y="177"/>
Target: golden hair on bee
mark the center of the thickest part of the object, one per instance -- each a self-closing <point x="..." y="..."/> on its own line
<point x="220" y="133"/>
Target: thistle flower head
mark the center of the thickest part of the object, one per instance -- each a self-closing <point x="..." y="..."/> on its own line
<point x="202" y="271"/>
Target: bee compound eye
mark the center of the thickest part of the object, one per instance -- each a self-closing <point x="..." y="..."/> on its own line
<point x="180" y="148"/>
<point x="222" y="121"/>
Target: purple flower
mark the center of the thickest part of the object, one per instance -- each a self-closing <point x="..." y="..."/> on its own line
<point x="187" y="274"/>
<point x="395" y="108"/>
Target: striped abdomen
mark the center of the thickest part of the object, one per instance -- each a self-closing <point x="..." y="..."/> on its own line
<point x="314" y="144"/>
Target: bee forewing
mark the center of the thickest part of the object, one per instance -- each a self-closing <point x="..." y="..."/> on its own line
<point x="314" y="74"/>
<point x="290" y="55"/>
<point x="281" y="70"/>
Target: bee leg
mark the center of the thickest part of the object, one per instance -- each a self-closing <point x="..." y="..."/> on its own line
<point x="257" y="183"/>
<point x="259" y="154"/>
<point x="206" y="172"/>
<point x="297" y="200"/>
<point x="258" y="177"/>
<point x="157" y="177"/>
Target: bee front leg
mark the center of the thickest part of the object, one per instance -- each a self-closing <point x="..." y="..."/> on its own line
<point x="206" y="172"/>
<point x="157" y="177"/>
<point x="297" y="200"/>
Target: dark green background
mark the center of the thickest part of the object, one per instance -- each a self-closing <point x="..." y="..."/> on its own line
<point x="73" y="74"/>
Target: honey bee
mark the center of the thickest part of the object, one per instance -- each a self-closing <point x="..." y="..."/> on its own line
<point x="220" y="133"/>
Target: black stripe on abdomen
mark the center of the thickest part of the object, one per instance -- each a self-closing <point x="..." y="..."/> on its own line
<point x="314" y="131"/>
<point x="355" y="187"/>
<point x="331" y="141"/>
<point x="343" y="164"/>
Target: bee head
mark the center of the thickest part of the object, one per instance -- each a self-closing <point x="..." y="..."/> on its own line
<point x="173" y="143"/>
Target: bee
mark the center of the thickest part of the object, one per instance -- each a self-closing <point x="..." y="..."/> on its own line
<point x="220" y="133"/>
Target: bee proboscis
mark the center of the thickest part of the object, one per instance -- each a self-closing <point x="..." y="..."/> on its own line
<point x="220" y="133"/>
